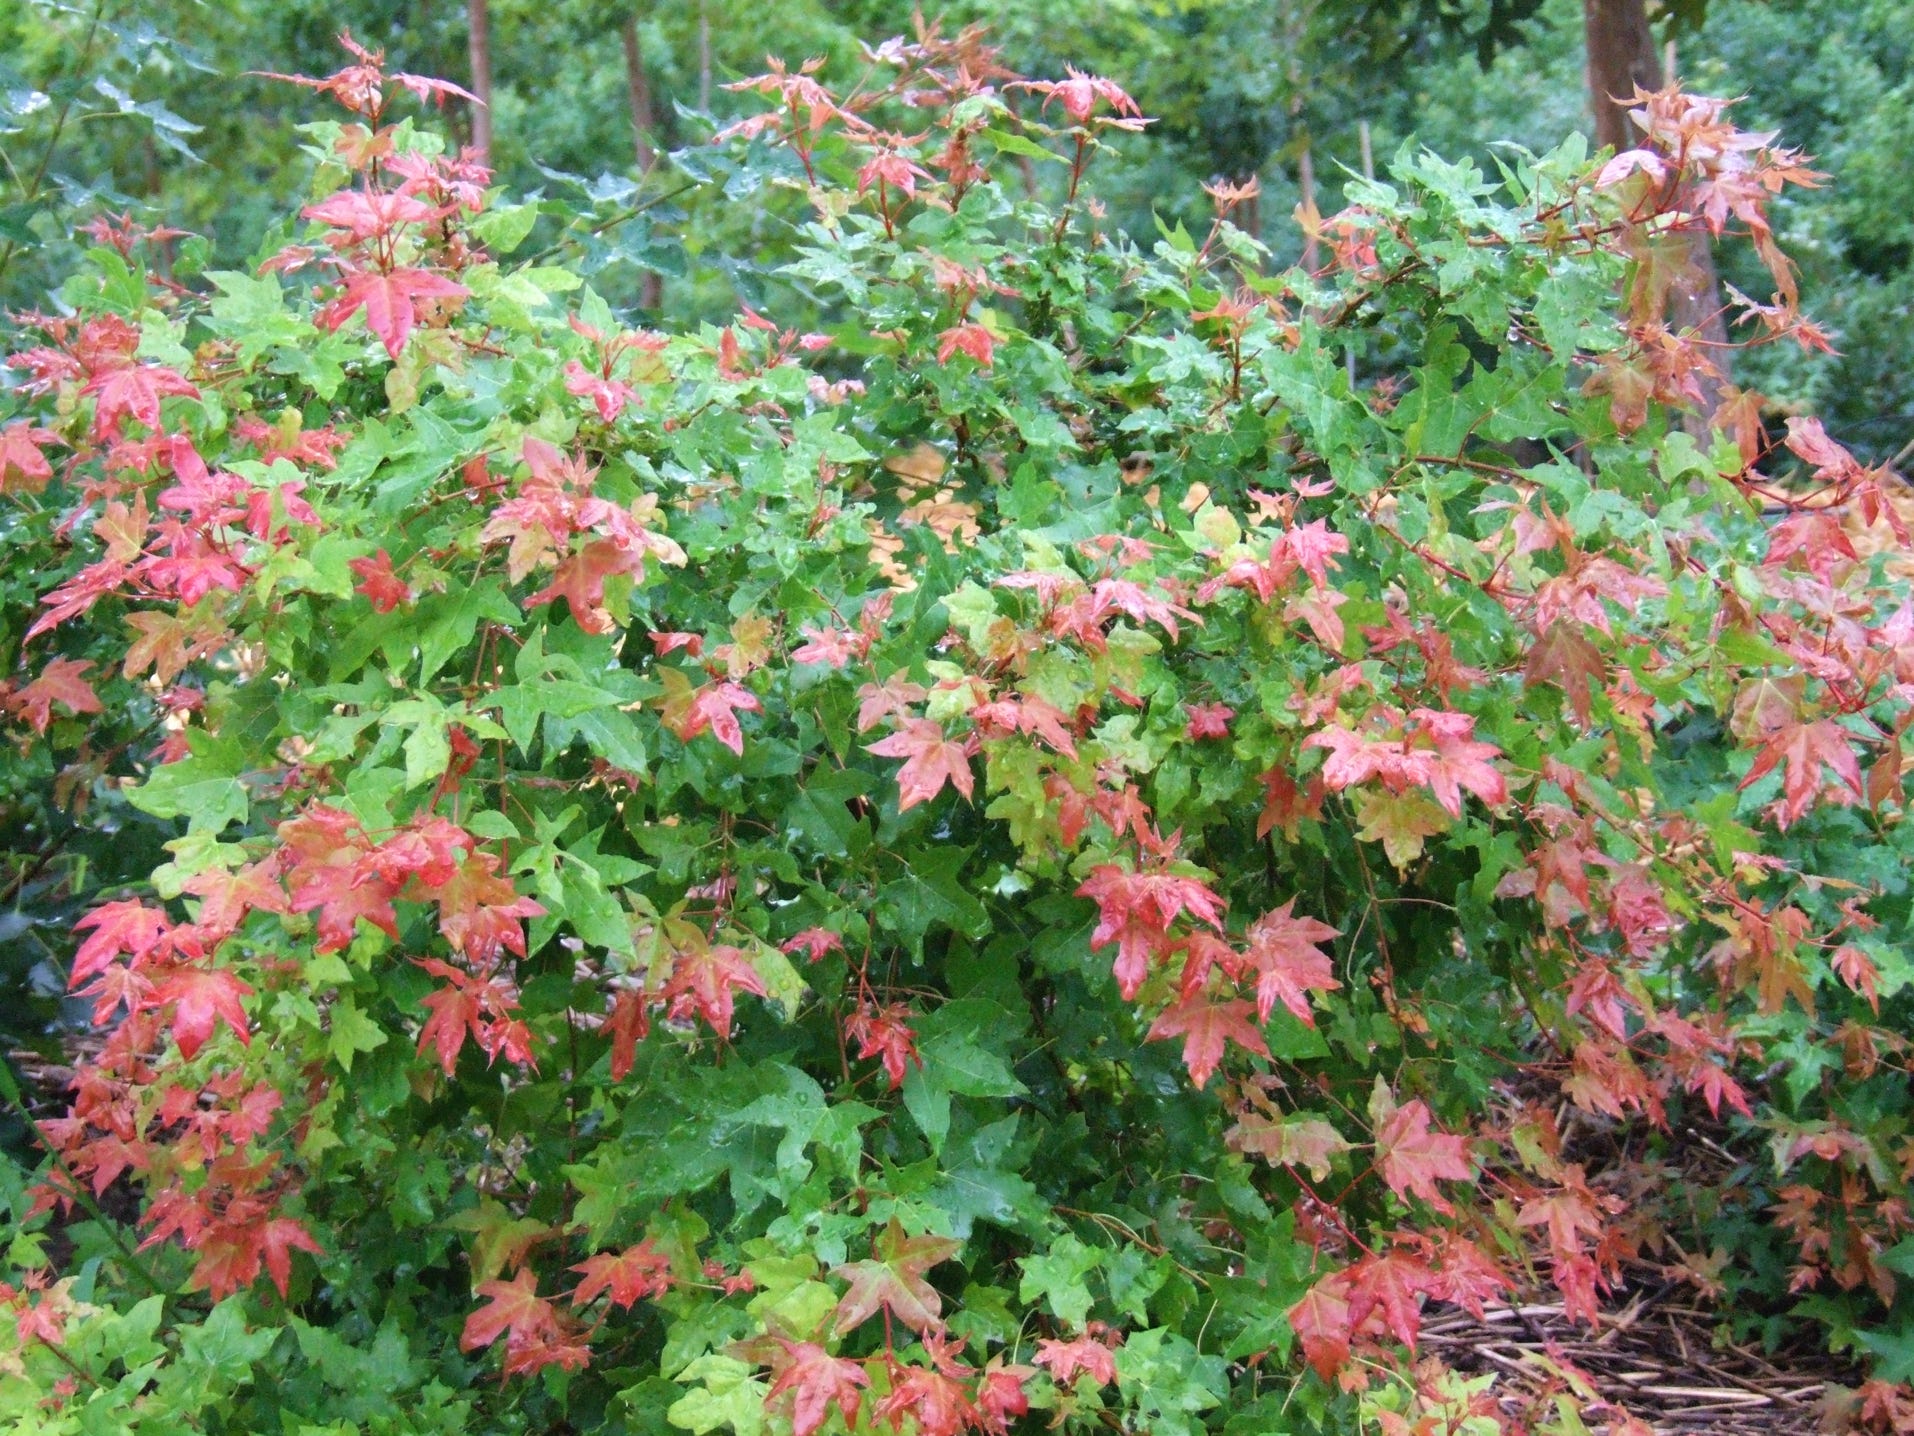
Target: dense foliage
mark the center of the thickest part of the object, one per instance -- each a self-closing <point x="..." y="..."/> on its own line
<point x="1035" y="854"/>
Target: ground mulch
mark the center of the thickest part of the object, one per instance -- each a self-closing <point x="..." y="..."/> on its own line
<point x="1657" y="1358"/>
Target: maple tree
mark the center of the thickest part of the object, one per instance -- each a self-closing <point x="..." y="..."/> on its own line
<point x="1017" y="848"/>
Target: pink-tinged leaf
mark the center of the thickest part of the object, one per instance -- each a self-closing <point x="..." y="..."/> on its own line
<point x="279" y="1238"/>
<point x="390" y="302"/>
<point x="893" y="1279"/>
<point x="384" y="588"/>
<point x="23" y="466"/>
<point x="715" y="706"/>
<point x="814" y="943"/>
<point x="1411" y="1157"/>
<point x="363" y="214"/>
<point x="817" y="1381"/>
<point x="201" y="997"/>
<point x="1283" y="948"/>
<point x="133" y="392"/>
<point x="78" y="594"/>
<point x="608" y="396"/>
<point x="513" y="1308"/>
<point x="927" y="1402"/>
<point x="1462" y="762"/>
<point x="931" y="760"/>
<point x="344" y="893"/>
<point x="1208" y="720"/>
<point x="1389" y="1286"/>
<point x="885" y="1033"/>
<point x="1205" y="1025"/>
<point x="1321" y="1323"/>
<point x="62" y="681"/>
<point x="705" y="982"/>
<point x="118" y="927"/>
<point x="455" y="1012"/>
<point x="1065" y="1359"/>
<point x="1001" y="1396"/>
<point x="625" y="1277"/>
<point x="1805" y="747"/>
<point x="972" y="339"/>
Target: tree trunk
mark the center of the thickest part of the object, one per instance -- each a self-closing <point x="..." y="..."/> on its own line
<point x="479" y="46"/>
<point x="1306" y="182"/>
<point x="704" y="57"/>
<point x="1621" y="56"/>
<point x="638" y="88"/>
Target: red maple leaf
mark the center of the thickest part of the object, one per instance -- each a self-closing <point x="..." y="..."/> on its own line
<point x="814" y="943"/>
<point x="716" y="707"/>
<point x="226" y="897"/>
<point x="706" y="980"/>
<point x="379" y="583"/>
<point x="78" y="594"/>
<point x="1000" y="1394"/>
<point x="1314" y="547"/>
<point x="1355" y="758"/>
<point x="1805" y="747"/>
<point x="885" y="1033"/>
<point x="1411" y="1157"/>
<point x="1461" y="760"/>
<point x="1064" y="1359"/>
<point x="202" y="995"/>
<point x="279" y="1237"/>
<point x="1566" y="656"/>
<point x="480" y="912"/>
<point x="1204" y="1026"/>
<point x="231" y="1252"/>
<point x="609" y="396"/>
<point x="1468" y="1275"/>
<point x="1321" y="1323"/>
<point x="928" y="1401"/>
<point x="1136" y="910"/>
<point x="389" y="301"/>
<point x="817" y="1381"/>
<point x="972" y="339"/>
<point x="1388" y="1286"/>
<point x="894" y="1280"/>
<point x="455" y="1012"/>
<point x="128" y="926"/>
<point x="625" y="1277"/>
<point x="23" y="467"/>
<point x="365" y="214"/>
<point x="629" y="1024"/>
<point x="931" y="760"/>
<point x="513" y="1309"/>
<point x="133" y="392"/>
<point x="1289" y="964"/>
<point x="1208" y="720"/>
<point x="580" y="581"/>
<point x="343" y="893"/>
<point x="61" y="682"/>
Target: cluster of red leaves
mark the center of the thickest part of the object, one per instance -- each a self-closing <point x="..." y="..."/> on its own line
<point x="193" y="1138"/>
<point x="554" y="505"/>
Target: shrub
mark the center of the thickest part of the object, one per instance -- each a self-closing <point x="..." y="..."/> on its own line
<point x="1071" y="846"/>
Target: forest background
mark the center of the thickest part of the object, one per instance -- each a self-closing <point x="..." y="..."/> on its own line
<point x="166" y="116"/>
